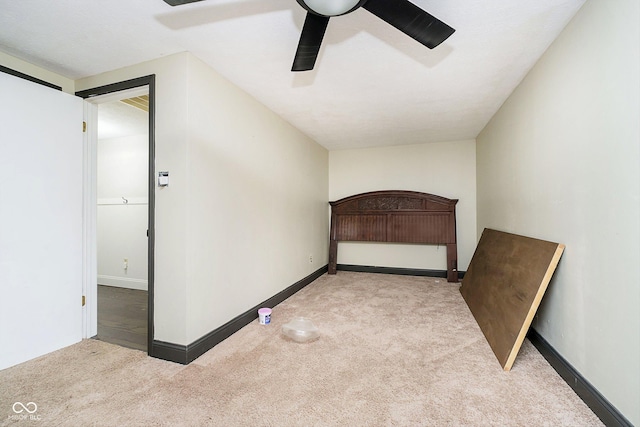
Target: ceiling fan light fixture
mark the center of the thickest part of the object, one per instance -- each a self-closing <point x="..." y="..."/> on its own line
<point x="329" y="7"/>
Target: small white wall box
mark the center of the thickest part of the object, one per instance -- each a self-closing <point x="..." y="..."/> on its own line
<point x="163" y="179"/>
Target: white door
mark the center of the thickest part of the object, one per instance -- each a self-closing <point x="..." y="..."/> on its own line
<point x="41" y="213"/>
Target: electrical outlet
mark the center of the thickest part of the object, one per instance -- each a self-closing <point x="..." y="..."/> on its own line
<point x="311" y="258"/>
<point x="125" y="263"/>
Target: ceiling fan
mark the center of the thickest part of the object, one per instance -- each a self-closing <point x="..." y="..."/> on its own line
<point x="402" y="14"/>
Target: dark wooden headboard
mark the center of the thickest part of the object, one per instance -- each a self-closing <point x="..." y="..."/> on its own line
<point x="395" y="216"/>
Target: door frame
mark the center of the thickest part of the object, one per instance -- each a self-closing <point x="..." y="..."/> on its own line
<point x="89" y="193"/>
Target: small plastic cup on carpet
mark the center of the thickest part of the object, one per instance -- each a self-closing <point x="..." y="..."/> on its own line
<point x="265" y="316"/>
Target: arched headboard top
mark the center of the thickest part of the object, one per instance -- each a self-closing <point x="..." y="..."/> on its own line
<point x="393" y="200"/>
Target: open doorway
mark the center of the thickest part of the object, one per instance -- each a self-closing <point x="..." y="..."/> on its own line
<point x="122" y="212"/>
<point x="121" y="184"/>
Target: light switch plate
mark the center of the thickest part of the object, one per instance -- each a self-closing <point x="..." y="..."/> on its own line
<point x="163" y="179"/>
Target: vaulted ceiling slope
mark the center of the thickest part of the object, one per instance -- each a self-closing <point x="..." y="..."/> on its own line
<point x="371" y="85"/>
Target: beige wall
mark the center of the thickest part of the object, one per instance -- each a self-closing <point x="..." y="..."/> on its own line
<point x="256" y="202"/>
<point x="446" y="169"/>
<point x="560" y="161"/>
<point x="16" y="64"/>
<point x="246" y="204"/>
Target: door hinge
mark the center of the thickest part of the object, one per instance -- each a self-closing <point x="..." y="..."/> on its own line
<point x="84" y="300"/>
<point x="84" y="126"/>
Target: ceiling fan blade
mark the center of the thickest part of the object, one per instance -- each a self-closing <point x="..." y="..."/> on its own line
<point x="310" y="41"/>
<point x="411" y="20"/>
<point x="179" y="2"/>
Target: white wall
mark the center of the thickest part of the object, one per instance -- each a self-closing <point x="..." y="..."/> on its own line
<point x="560" y="161"/>
<point x="246" y="204"/>
<point x="122" y="172"/>
<point x="445" y="169"/>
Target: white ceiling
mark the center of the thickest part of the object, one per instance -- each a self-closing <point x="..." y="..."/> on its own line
<point x="371" y="86"/>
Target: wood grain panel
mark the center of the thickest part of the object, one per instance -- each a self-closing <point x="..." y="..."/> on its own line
<point x="503" y="287"/>
<point x="364" y="228"/>
<point x="425" y="228"/>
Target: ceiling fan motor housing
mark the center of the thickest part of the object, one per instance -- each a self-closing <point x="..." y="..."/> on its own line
<point x="330" y="8"/>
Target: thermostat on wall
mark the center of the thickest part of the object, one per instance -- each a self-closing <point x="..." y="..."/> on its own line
<point x="163" y="179"/>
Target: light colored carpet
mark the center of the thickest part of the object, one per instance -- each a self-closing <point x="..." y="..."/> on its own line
<point x="393" y="351"/>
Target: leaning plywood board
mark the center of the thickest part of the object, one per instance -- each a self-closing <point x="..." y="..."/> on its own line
<point x="504" y="285"/>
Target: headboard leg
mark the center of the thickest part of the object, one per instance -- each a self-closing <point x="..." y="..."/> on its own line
<point x="333" y="256"/>
<point x="452" y="262"/>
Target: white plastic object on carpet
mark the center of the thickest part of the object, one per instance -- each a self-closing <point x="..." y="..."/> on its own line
<point x="301" y="329"/>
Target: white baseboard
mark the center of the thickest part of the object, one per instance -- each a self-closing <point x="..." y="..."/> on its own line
<point x="123" y="282"/>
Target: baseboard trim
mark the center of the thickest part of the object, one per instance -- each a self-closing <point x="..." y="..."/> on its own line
<point x="396" y="270"/>
<point x="169" y="351"/>
<point x="600" y="406"/>
<point x="186" y="354"/>
<point x="123" y="282"/>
